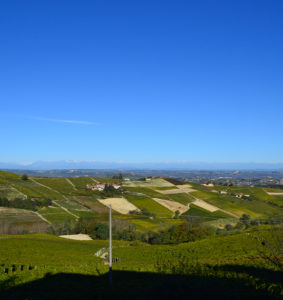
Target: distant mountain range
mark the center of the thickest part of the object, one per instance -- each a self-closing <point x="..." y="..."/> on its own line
<point x="66" y="165"/>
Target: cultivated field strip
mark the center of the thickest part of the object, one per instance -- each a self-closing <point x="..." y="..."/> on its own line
<point x="172" y="205"/>
<point x="121" y="205"/>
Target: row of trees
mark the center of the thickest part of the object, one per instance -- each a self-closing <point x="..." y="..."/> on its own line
<point x="125" y="230"/>
<point x="31" y="204"/>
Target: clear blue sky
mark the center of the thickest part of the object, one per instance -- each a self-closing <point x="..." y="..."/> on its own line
<point x="141" y="81"/>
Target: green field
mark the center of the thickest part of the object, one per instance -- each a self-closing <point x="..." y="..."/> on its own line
<point x="197" y="211"/>
<point x="183" y="198"/>
<point x="150" y="205"/>
<point x="81" y="182"/>
<point x="57" y="184"/>
<point x="55" y="214"/>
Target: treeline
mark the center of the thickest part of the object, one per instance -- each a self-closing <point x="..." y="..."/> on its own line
<point x="174" y="181"/>
<point x="29" y="203"/>
<point x="125" y="230"/>
<point x="190" y="230"/>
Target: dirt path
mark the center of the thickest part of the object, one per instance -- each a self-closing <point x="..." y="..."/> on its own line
<point x="64" y="208"/>
<point x="41" y="217"/>
<point x="13" y="188"/>
<point x="94" y="180"/>
<point x="44" y="185"/>
<point x="71" y="183"/>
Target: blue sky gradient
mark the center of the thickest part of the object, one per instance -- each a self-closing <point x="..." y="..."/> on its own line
<point x="141" y="81"/>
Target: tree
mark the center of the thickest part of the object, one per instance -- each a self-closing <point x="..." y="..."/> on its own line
<point x="102" y="231"/>
<point x="24" y="177"/>
<point x="245" y="219"/>
<point x="177" y="214"/>
<point x="228" y="227"/>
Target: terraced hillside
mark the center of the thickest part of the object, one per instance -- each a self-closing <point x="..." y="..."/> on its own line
<point x="154" y="201"/>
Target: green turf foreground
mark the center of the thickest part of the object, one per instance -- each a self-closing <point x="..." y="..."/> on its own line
<point x="239" y="266"/>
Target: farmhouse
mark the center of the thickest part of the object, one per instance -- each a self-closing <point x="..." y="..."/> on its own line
<point x="96" y="187"/>
<point x="100" y="186"/>
<point x="223" y="192"/>
<point x="238" y="195"/>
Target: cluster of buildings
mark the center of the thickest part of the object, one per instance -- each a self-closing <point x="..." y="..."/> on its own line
<point x="240" y="195"/>
<point x="237" y="195"/>
<point x="101" y="186"/>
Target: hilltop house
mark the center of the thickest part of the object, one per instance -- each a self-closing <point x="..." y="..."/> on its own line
<point x="100" y="186"/>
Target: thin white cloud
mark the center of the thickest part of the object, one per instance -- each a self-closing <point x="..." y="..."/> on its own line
<point x="64" y="121"/>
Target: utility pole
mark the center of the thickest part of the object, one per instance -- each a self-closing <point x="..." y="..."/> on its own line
<point x="110" y="249"/>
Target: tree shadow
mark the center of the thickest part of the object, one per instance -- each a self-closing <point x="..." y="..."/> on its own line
<point x="267" y="275"/>
<point x="135" y="285"/>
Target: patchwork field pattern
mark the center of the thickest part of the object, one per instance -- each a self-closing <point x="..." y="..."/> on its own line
<point x="172" y="205"/>
<point x="152" y="183"/>
<point x="185" y="188"/>
<point x="205" y="205"/>
<point x="55" y="214"/>
<point x="148" y="204"/>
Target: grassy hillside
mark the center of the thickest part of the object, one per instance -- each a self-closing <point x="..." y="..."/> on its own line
<point x="16" y="221"/>
<point x="214" y="266"/>
<point x="259" y="205"/>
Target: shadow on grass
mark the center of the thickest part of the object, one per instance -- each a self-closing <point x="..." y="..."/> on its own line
<point x="136" y="285"/>
<point x="269" y="276"/>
